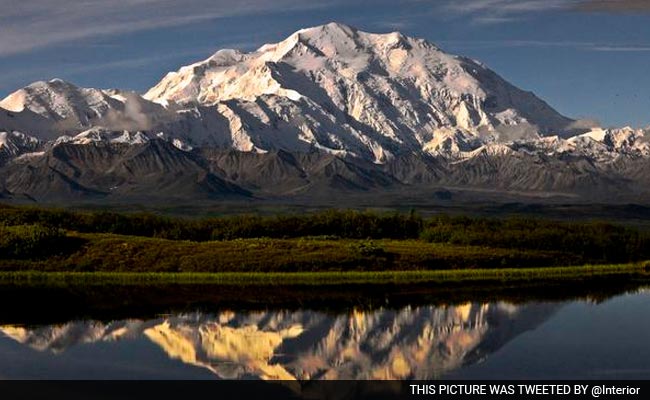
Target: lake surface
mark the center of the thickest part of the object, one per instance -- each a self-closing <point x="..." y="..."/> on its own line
<point x="577" y="339"/>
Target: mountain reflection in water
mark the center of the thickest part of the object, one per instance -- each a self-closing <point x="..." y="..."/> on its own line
<point x="409" y="343"/>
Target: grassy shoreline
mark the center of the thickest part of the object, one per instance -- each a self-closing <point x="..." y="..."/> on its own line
<point x="108" y="296"/>
<point x="637" y="271"/>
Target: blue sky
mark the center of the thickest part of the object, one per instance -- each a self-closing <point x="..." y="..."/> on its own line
<point x="587" y="58"/>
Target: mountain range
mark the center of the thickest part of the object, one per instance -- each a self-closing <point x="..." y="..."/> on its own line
<point x="329" y="111"/>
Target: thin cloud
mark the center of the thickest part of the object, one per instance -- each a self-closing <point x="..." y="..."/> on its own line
<point x="511" y="43"/>
<point x="137" y="62"/>
<point x="502" y="11"/>
<point x="29" y="25"/>
<point x="396" y="25"/>
<point x="629" y="49"/>
<point x="585" y="46"/>
<point x="508" y="6"/>
<point x="34" y="24"/>
<point x="193" y="55"/>
<point x="614" y="6"/>
<point x="46" y="72"/>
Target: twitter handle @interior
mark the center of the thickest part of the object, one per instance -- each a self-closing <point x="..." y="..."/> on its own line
<point x="590" y="390"/>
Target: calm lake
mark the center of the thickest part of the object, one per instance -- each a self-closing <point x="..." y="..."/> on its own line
<point x="584" y="338"/>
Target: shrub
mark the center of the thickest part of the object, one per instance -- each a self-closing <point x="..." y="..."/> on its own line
<point x="30" y="241"/>
<point x="368" y="248"/>
<point x="594" y="242"/>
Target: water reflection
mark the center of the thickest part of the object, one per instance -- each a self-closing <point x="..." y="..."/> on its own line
<point x="408" y="343"/>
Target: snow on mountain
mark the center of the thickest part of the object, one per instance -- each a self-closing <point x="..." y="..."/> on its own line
<point x="59" y="100"/>
<point x="330" y="88"/>
<point x="377" y="109"/>
<point x="13" y="144"/>
<point x="96" y="135"/>
<point x="600" y="145"/>
<point x="341" y="90"/>
<point x="48" y="110"/>
<point x="103" y="135"/>
<point x="635" y="141"/>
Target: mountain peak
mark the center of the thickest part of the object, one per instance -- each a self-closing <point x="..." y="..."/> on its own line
<point x="48" y="97"/>
<point x="340" y="31"/>
<point x="332" y="28"/>
<point x="56" y="82"/>
<point x="316" y="49"/>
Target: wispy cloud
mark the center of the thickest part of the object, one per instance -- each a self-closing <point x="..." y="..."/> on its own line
<point x="506" y="6"/>
<point x="27" y="26"/>
<point x="192" y="55"/>
<point x="33" y="24"/>
<point x="517" y="43"/>
<point x="500" y="11"/>
<point x="627" y="49"/>
<point x="136" y="62"/>
<point x="614" y="6"/>
<point x="397" y="25"/>
<point x="504" y="11"/>
<point x="584" y="46"/>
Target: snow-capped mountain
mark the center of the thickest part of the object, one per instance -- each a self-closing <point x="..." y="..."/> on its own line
<point x="345" y="91"/>
<point x="49" y="110"/>
<point x="390" y="109"/>
<point x="330" y="87"/>
<point x="409" y="343"/>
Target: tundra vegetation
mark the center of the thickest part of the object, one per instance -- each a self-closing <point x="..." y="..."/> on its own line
<point x="56" y="240"/>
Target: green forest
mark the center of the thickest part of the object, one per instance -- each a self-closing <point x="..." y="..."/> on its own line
<point x="38" y="239"/>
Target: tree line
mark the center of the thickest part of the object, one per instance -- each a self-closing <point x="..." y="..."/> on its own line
<point x="592" y="241"/>
<point x="334" y="223"/>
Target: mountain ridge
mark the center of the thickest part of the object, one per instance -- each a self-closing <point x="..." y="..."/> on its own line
<point x="356" y="111"/>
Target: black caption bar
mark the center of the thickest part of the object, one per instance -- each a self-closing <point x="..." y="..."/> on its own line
<point x="329" y="390"/>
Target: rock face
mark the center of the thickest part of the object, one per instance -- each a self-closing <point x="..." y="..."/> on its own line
<point x="13" y="144"/>
<point x="328" y="109"/>
<point x="409" y="343"/>
<point x="152" y="170"/>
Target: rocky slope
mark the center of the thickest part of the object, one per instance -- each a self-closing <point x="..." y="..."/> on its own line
<point x="13" y="144"/>
<point x="153" y="169"/>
